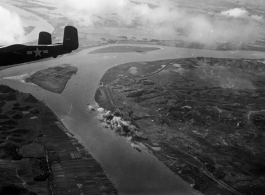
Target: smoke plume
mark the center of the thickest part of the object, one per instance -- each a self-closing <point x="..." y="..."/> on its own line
<point x="241" y="13"/>
<point x="11" y="27"/>
<point x="166" y="21"/>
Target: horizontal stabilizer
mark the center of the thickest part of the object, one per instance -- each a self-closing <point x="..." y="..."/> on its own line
<point x="45" y="38"/>
<point x="70" y="40"/>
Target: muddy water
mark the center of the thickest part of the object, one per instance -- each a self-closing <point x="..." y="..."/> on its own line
<point x="133" y="172"/>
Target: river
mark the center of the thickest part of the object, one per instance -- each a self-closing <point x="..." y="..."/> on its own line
<point x="133" y="172"/>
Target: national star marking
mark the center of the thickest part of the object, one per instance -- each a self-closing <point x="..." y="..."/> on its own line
<point x="37" y="52"/>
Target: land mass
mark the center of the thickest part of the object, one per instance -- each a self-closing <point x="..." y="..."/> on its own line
<point x="38" y="156"/>
<point x="204" y="118"/>
<point x="124" y="49"/>
<point x="53" y="79"/>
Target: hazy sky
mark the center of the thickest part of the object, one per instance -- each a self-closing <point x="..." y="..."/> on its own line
<point x="208" y="22"/>
<point x="171" y="19"/>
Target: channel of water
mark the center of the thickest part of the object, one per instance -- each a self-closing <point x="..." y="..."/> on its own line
<point x="133" y="172"/>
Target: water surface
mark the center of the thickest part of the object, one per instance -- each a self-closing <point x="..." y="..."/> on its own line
<point x="133" y="172"/>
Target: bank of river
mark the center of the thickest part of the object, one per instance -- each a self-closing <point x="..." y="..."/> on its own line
<point x="133" y="172"/>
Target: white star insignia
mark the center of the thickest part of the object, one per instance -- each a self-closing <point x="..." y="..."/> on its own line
<point x="37" y="52"/>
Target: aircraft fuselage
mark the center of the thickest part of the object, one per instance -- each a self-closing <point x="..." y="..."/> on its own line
<point x="16" y="54"/>
<point x="19" y="53"/>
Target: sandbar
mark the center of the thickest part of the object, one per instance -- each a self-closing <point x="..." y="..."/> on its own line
<point x="124" y="49"/>
<point x="53" y="79"/>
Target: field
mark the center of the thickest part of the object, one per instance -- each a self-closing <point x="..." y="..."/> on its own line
<point x="203" y="117"/>
<point x="39" y="156"/>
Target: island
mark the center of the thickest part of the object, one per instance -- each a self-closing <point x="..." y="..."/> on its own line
<point x="39" y="156"/>
<point x="204" y="118"/>
<point x="124" y="49"/>
<point x="53" y="79"/>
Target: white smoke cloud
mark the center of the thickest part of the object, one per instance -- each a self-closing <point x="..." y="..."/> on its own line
<point x="170" y="22"/>
<point x="11" y="27"/>
<point x="236" y="12"/>
<point x="240" y="13"/>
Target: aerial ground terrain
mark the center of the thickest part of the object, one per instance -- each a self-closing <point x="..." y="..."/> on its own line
<point x="204" y="118"/>
<point x="39" y="156"/>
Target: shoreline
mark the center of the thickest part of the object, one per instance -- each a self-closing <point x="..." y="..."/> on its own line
<point x="53" y="79"/>
<point x="135" y="142"/>
<point x="47" y="157"/>
<point x="87" y="153"/>
<point x="135" y="139"/>
<point x="71" y="97"/>
<point x="133" y="98"/>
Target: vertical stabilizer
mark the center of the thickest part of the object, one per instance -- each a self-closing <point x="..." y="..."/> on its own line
<point x="45" y="38"/>
<point x="70" y="40"/>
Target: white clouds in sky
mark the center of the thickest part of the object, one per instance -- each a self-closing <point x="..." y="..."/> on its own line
<point x="240" y="13"/>
<point x="11" y="27"/>
<point x="166" y="21"/>
<point x="235" y="25"/>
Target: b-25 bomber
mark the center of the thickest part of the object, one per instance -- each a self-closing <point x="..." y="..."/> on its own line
<point x="19" y="53"/>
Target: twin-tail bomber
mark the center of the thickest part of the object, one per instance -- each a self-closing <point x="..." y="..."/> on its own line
<point x="18" y="53"/>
